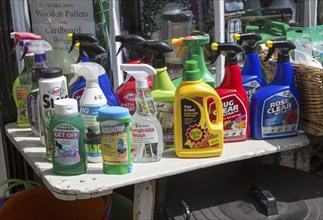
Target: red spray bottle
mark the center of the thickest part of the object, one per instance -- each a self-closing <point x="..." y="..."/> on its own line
<point x="126" y="92"/>
<point x="233" y="96"/>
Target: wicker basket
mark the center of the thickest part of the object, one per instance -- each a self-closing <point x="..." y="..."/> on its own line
<point x="309" y="81"/>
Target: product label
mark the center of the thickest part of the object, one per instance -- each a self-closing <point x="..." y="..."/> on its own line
<point x="22" y="110"/>
<point x="49" y="93"/>
<point x="66" y="143"/>
<point x="165" y="117"/>
<point x="92" y="130"/>
<point x="250" y="88"/>
<point x="235" y="117"/>
<point x="144" y="140"/>
<point x="195" y="134"/>
<point x="33" y="111"/>
<point x="280" y="115"/>
<point x="114" y="142"/>
<point x="128" y="101"/>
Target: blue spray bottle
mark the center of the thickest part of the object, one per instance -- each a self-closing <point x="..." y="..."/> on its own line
<point x="274" y="109"/>
<point x="252" y="77"/>
<point x="97" y="54"/>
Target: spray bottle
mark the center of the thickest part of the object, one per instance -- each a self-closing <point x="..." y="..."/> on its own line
<point x="233" y="96"/>
<point x="39" y="48"/>
<point x="252" y="77"/>
<point x="23" y="83"/>
<point x="195" y="46"/>
<point x="145" y="130"/>
<point x="274" y="109"/>
<point x="163" y="90"/>
<point x="126" y="92"/>
<point x="92" y="100"/>
<point x="93" y="53"/>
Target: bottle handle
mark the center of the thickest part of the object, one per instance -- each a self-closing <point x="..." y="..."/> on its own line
<point x="218" y="125"/>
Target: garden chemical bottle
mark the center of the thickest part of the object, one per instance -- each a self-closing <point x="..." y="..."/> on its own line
<point x="52" y="87"/>
<point x="195" y="46"/>
<point x="163" y="90"/>
<point x="233" y="96"/>
<point x="115" y="139"/>
<point x="126" y="92"/>
<point x="252" y="77"/>
<point x="39" y="48"/>
<point x="194" y="133"/>
<point x="23" y="83"/>
<point x="146" y="133"/>
<point x="89" y="52"/>
<point x="67" y="130"/>
<point x="275" y="108"/>
<point x="92" y="100"/>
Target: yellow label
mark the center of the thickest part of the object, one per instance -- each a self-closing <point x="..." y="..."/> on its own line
<point x="114" y="142"/>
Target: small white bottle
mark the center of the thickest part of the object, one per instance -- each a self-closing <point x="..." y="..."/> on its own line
<point x="146" y="134"/>
<point x="92" y="100"/>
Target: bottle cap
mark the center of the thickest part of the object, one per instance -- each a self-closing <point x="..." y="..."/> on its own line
<point x="114" y="112"/>
<point x="191" y="71"/>
<point x="51" y="72"/>
<point x="65" y="106"/>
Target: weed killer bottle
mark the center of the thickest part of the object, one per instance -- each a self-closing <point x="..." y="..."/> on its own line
<point x="52" y="86"/>
<point x="67" y="130"/>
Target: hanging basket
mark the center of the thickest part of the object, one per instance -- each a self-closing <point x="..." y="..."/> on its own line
<point x="309" y="81"/>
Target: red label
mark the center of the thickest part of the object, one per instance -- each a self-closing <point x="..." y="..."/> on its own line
<point x="235" y="117"/>
<point x="56" y="91"/>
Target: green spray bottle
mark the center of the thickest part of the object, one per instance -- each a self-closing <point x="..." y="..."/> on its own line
<point x="163" y="90"/>
<point x="195" y="44"/>
<point x="23" y="83"/>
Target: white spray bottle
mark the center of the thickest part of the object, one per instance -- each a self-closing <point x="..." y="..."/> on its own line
<point x="145" y="130"/>
<point x="91" y="101"/>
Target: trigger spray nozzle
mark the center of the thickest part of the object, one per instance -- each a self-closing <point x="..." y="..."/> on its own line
<point x="89" y="70"/>
<point x="17" y="36"/>
<point x="84" y="38"/>
<point x="282" y="48"/>
<point x="140" y="72"/>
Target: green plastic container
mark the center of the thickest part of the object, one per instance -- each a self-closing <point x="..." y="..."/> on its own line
<point x="115" y="139"/>
<point x="67" y="130"/>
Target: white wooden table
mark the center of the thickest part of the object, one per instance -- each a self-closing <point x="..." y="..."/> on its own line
<point x="95" y="183"/>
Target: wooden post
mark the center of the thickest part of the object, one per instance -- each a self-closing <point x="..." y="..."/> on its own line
<point x="144" y="200"/>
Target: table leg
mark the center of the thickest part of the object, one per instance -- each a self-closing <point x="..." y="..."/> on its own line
<point x="144" y="200"/>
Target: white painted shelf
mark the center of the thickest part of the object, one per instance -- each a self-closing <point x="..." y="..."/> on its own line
<point x="95" y="183"/>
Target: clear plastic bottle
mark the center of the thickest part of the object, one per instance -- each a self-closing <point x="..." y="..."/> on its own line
<point x="145" y="129"/>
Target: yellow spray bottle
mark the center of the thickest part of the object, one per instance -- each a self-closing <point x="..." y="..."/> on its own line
<point x="195" y="134"/>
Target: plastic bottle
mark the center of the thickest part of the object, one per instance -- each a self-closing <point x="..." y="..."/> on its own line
<point x="252" y="77"/>
<point x="274" y="109"/>
<point x="39" y="48"/>
<point x="194" y="133"/>
<point x="195" y="46"/>
<point x="163" y="90"/>
<point x="22" y="84"/>
<point x="93" y="53"/>
<point x="52" y="87"/>
<point x="126" y="92"/>
<point x="145" y="129"/>
<point x="115" y="139"/>
<point x="236" y="119"/>
<point x="67" y="130"/>
<point x="92" y="100"/>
